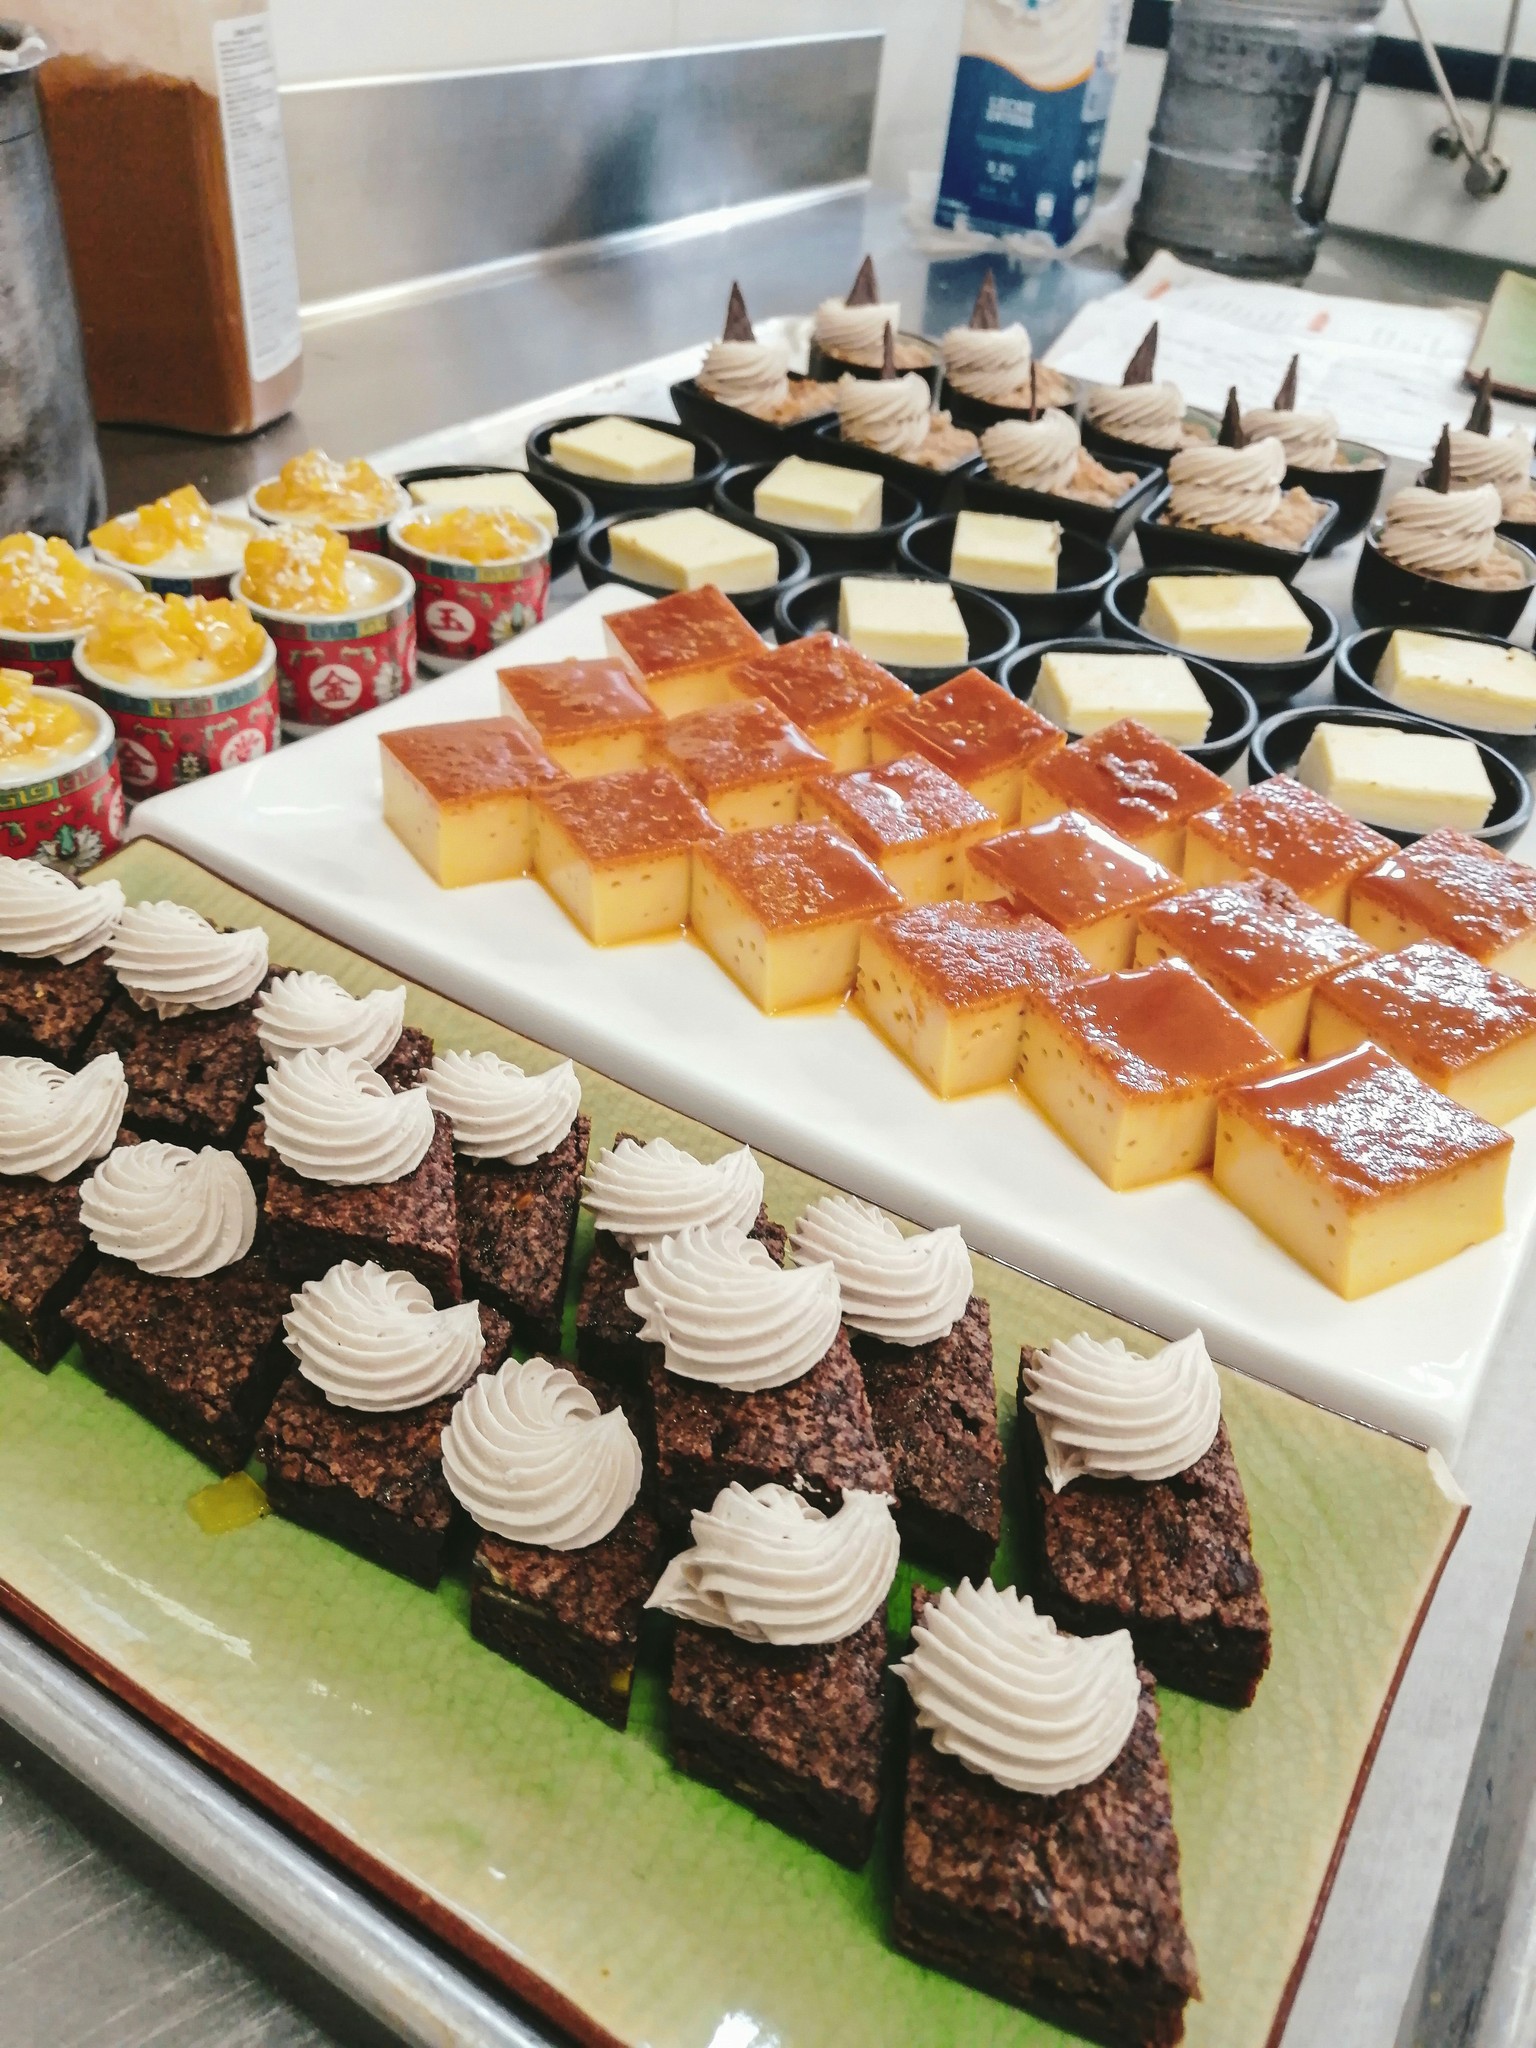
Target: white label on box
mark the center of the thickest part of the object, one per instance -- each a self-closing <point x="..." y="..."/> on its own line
<point x="258" y="192"/>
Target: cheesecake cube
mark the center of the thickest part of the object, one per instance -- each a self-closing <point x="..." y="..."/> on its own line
<point x="1360" y="1171"/>
<point x="682" y="649"/>
<point x="1458" y="1025"/>
<point x="687" y="549"/>
<point x="509" y="489"/>
<point x="1246" y="618"/>
<point x="997" y="551"/>
<point x="589" y="716"/>
<point x="820" y="497"/>
<point x="974" y="730"/>
<point x="1259" y="946"/>
<point x="1136" y="785"/>
<point x="617" y="852"/>
<point x="906" y="623"/>
<point x="828" y="689"/>
<point x="616" y="450"/>
<point x="1080" y="879"/>
<point x="458" y="797"/>
<point x="1128" y="1068"/>
<point x="745" y="762"/>
<point x="1451" y="887"/>
<point x="914" y="822"/>
<point x="1083" y="692"/>
<point x="944" y="985"/>
<point x="1401" y="781"/>
<point x="1489" y="686"/>
<point x="781" y="911"/>
<point x="1283" y="829"/>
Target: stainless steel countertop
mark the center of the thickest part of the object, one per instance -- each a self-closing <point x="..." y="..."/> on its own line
<point x="103" y="1942"/>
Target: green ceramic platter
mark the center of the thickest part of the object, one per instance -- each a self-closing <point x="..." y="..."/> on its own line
<point x="622" y="1899"/>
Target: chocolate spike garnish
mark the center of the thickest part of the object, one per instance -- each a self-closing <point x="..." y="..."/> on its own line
<point x="1438" y="475"/>
<point x="888" y="354"/>
<point x="1285" y="397"/>
<point x="738" y="322"/>
<point x="984" y="313"/>
<point x="865" y="291"/>
<point x="1034" y="392"/>
<point x="1232" y="435"/>
<point x="1480" y="418"/>
<point x="1139" y="369"/>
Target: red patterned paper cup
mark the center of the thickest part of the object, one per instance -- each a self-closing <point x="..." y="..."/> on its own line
<point x="368" y="536"/>
<point x="70" y="819"/>
<point x="167" y="737"/>
<point x="49" y="657"/>
<point x="464" y="609"/>
<point x="181" y="583"/>
<point x="333" y="666"/>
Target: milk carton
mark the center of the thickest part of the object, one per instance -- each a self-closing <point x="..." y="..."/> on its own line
<point x="1032" y="95"/>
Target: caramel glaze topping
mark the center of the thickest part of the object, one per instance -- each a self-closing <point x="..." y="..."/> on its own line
<point x="1160" y="1031"/>
<point x="970" y="954"/>
<point x="794" y="876"/>
<point x="690" y="629"/>
<point x="1254" y="940"/>
<point x="1433" y="1007"/>
<point x="474" y="757"/>
<point x="1291" y="832"/>
<point x="820" y="681"/>
<point x="636" y="815"/>
<point x="736" y="746"/>
<point x="902" y="804"/>
<point x="1458" y="889"/>
<point x="1365" y="1124"/>
<point x="571" y="699"/>
<point x="970" y="725"/>
<point x="1130" y="779"/>
<point x="1071" y="870"/>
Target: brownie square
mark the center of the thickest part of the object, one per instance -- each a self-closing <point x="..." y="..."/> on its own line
<point x="607" y="1328"/>
<point x="517" y="1230"/>
<point x="408" y="1225"/>
<point x="1068" y="1905"/>
<point x="49" y="1008"/>
<point x="410" y="1061"/>
<point x="190" y="1079"/>
<point x="815" y="1435"/>
<point x="45" y="1255"/>
<point x="797" y="1734"/>
<point x="935" y="1415"/>
<point x="1172" y="1561"/>
<point x="371" y="1481"/>
<point x="201" y="1358"/>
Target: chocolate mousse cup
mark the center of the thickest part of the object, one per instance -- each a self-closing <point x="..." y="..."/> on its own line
<point x="1117" y="454"/>
<point x="1055" y="387"/>
<point x="745" y="436"/>
<point x="1355" y="488"/>
<point x="936" y="490"/>
<point x="1387" y="594"/>
<point x="981" y="491"/>
<point x="913" y="352"/>
<point x="1166" y="546"/>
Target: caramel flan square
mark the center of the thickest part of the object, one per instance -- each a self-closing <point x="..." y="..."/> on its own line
<point x="1258" y="945"/>
<point x="1283" y="829"/>
<point x="782" y="909"/>
<point x="616" y="852"/>
<point x="914" y="821"/>
<point x="457" y="796"/>
<point x="682" y="649"/>
<point x="974" y="730"/>
<point x="1362" y="1172"/>
<point x="1128" y="1067"/>
<point x="944" y="984"/>
<point x="828" y="689"/>
<point x="1451" y="887"/>
<point x="589" y="716"/>
<point x="1466" y="1030"/>
<point x="1138" y="786"/>
<point x="1078" y="877"/>
<point x="745" y="762"/>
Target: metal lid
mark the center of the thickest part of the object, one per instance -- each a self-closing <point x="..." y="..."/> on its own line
<point x="22" y="48"/>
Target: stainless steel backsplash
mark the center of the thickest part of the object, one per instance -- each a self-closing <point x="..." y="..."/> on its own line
<point x="402" y="179"/>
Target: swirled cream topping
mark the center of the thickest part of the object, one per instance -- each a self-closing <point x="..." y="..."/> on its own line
<point x="1310" y="439"/>
<point x="888" y="413"/>
<point x="750" y="374"/>
<point x="1151" y="415"/>
<point x="171" y="961"/>
<point x="170" y="1211"/>
<point x="330" y="1117"/>
<point x="1107" y="1413"/>
<point x="771" y="1568"/>
<point x="533" y="1458"/>
<point x="727" y="1314"/>
<point x="52" y="1122"/>
<point x="987" y="362"/>
<point x="309" y="1009"/>
<point x="643" y="1193"/>
<point x="375" y="1340"/>
<point x="45" y="915"/>
<point x="854" y="331"/>
<point x="1439" y="533"/>
<point x="1001" y="1690"/>
<point x="1035" y="455"/>
<point x="1226" y="486"/>
<point x="1503" y="460"/>
<point x="906" y="1290"/>
<point x="499" y="1112"/>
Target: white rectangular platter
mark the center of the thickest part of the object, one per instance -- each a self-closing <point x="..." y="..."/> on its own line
<point x="302" y="830"/>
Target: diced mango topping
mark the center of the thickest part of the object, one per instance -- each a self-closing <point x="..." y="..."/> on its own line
<point x="44" y="585"/>
<point x="298" y="569"/>
<point x="176" y="643"/>
<point x="315" y="485"/>
<point x="183" y="519"/>
<point x="37" y="730"/>
<point x="475" y="533"/>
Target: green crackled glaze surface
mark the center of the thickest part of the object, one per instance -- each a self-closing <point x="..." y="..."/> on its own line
<point x="664" y="1912"/>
